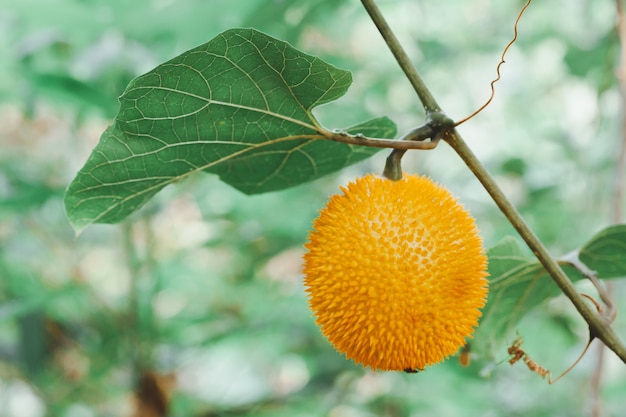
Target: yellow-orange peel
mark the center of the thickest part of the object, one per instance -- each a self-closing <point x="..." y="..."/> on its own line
<point x="395" y="272"/>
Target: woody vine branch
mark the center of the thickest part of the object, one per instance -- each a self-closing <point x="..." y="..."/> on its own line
<point x="599" y="326"/>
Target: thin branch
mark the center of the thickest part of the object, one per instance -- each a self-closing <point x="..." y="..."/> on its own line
<point x="598" y="325"/>
<point x="424" y="94"/>
<point x="414" y="139"/>
<point x="380" y="143"/>
<point x="139" y="268"/>
<point x="573" y="260"/>
<point x="596" y="382"/>
<point x="133" y="263"/>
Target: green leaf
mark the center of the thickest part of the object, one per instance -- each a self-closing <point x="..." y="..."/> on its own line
<point x="518" y="282"/>
<point x="605" y="253"/>
<point x="239" y="106"/>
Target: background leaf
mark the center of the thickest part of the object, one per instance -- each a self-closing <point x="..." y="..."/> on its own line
<point x="605" y="253"/>
<point x="518" y="282"/>
<point x="516" y="285"/>
<point x="238" y="106"/>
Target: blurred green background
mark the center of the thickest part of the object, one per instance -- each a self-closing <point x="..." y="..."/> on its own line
<point x="197" y="302"/>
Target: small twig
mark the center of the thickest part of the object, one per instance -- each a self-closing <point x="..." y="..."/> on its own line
<point x="594" y="302"/>
<point x="138" y="266"/>
<point x="573" y="260"/>
<point x="133" y="263"/>
<point x="404" y="143"/>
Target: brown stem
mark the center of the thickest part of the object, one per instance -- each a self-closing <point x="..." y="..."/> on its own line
<point x="404" y="143"/>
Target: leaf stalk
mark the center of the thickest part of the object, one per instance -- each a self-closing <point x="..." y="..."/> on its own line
<point x="408" y="141"/>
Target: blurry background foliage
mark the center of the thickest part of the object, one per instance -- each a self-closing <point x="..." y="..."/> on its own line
<point x="203" y="285"/>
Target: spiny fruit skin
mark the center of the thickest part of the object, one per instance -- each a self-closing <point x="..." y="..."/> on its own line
<point x="395" y="272"/>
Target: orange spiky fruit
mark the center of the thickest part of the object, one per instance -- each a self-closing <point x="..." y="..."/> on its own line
<point x="395" y="272"/>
